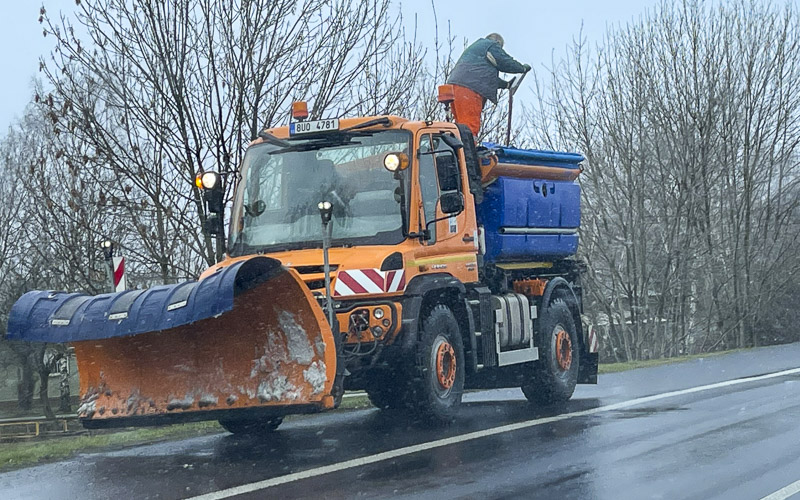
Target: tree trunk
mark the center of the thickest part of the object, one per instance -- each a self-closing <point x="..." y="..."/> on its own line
<point x="64" y="405"/>
<point x="25" y="387"/>
<point x="44" y="379"/>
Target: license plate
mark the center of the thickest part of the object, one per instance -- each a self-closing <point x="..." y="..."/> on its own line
<point x="313" y="127"/>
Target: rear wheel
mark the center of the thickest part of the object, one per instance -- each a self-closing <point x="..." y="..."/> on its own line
<point x="555" y="374"/>
<point x="438" y="372"/>
<point x="251" y="426"/>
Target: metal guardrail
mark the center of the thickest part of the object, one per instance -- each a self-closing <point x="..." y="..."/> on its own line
<point x="32" y="426"/>
<point x="357" y="394"/>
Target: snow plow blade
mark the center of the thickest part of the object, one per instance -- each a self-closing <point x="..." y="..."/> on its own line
<point x="246" y="341"/>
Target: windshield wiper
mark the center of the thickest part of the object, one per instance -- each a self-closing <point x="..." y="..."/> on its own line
<point x="272" y="139"/>
<point x="333" y="139"/>
<point x="383" y="120"/>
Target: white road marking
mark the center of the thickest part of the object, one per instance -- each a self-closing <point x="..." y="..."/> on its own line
<point x="408" y="450"/>
<point x="785" y="492"/>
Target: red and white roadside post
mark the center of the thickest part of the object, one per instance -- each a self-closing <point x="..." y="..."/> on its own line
<point x="115" y="267"/>
<point x="120" y="282"/>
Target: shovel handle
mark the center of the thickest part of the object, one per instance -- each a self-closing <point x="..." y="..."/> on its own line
<point x="515" y="83"/>
<point x="512" y="89"/>
<point x="510" y="109"/>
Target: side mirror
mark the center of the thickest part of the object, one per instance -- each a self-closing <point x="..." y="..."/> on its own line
<point x="452" y="141"/>
<point x="447" y="171"/>
<point x="451" y="202"/>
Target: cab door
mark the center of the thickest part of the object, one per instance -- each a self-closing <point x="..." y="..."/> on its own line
<point x="444" y="216"/>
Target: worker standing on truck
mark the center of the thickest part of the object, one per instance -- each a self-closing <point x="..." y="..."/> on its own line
<point x="476" y="78"/>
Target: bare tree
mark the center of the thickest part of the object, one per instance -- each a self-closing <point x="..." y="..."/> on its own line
<point x="46" y="242"/>
<point x="689" y="122"/>
<point x="162" y="91"/>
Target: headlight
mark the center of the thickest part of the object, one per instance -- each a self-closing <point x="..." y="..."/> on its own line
<point x="206" y="180"/>
<point x="210" y="179"/>
<point x="395" y="161"/>
<point x="378" y="313"/>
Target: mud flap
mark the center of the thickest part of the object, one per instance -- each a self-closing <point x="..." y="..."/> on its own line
<point x="249" y="336"/>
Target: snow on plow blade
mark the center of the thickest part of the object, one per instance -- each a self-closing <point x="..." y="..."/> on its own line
<point x="249" y="339"/>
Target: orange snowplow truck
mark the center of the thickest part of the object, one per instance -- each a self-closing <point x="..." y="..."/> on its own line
<point x="448" y="268"/>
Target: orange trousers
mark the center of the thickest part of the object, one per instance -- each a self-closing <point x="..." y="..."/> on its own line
<point x="467" y="108"/>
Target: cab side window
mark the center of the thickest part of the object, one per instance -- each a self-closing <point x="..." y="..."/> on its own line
<point x="428" y="182"/>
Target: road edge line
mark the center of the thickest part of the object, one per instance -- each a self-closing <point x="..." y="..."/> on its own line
<point x="785" y="492"/>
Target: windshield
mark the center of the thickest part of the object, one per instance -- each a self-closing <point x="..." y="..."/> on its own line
<point x="280" y="187"/>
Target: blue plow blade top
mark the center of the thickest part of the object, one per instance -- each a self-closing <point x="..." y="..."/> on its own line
<point x="47" y="316"/>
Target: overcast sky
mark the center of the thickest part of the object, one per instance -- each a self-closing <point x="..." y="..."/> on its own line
<point x="532" y="30"/>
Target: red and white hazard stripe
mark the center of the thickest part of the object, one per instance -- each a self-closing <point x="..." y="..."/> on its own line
<point x="359" y="281"/>
<point x="368" y="281"/>
<point x="395" y="281"/>
<point x="594" y="342"/>
<point x="120" y="282"/>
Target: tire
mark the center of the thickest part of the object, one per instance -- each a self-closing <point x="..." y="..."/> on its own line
<point x="555" y="374"/>
<point x="251" y="427"/>
<point x="437" y="376"/>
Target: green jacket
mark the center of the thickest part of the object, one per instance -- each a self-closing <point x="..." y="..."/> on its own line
<point x="479" y="67"/>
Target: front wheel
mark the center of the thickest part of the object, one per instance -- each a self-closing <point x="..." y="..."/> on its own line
<point x="555" y="374"/>
<point x="251" y="426"/>
<point x="438" y="374"/>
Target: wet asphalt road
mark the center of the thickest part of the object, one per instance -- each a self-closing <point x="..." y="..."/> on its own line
<point x="741" y="441"/>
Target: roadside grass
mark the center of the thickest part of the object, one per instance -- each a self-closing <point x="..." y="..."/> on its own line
<point x="24" y="453"/>
<point x="632" y="365"/>
<point x="14" y="455"/>
<point x="355" y="403"/>
<point x="21" y="453"/>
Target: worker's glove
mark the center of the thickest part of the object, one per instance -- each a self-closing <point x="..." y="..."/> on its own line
<point x="526" y="67"/>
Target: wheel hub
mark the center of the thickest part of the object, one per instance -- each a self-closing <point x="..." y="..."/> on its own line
<point x="445" y="365"/>
<point x="563" y="349"/>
